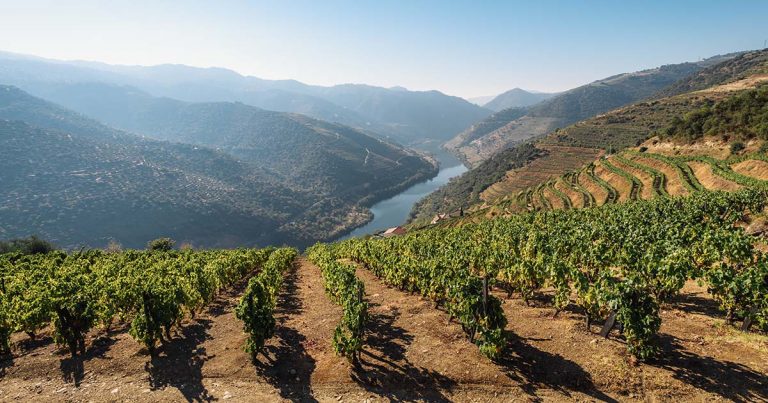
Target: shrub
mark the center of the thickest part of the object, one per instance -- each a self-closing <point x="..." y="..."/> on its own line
<point x="27" y="246"/>
<point x="736" y="147"/>
<point x="161" y="244"/>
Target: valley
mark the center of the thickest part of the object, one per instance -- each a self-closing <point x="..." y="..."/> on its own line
<point x="270" y="202"/>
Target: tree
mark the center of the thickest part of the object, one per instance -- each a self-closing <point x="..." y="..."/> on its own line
<point x="161" y="244"/>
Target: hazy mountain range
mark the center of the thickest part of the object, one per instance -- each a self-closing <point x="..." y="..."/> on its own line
<point x="424" y="119"/>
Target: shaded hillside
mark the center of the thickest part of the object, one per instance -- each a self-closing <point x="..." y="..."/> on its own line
<point x="569" y="107"/>
<point x="426" y="118"/>
<point x="73" y="190"/>
<point x="516" y="98"/>
<point x="328" y="159"/>
<point x="191" y="192"/>
<point x="621" y="128"/>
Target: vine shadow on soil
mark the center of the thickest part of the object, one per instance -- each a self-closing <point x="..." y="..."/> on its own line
<point x="6" y="361"/>
<point x="286" y="364"/>
<point x="73" y="368"/>
<point x="178" y="363"/>
<point x="694" y="304"/>
<point x="730" y="380"/>
<point x="535" y="369"/>
<point x="383" y="368"/>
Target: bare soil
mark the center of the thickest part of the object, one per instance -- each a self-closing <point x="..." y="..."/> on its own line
<point x="754" y="168"/>
<point x="413" y="352"/>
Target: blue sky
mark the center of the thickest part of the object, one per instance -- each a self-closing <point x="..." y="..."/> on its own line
<point x="464" y="48"/>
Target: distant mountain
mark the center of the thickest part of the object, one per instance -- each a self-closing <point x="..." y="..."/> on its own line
<point x="76" y="181"/>
<point x="516" y="98"/>
<point x="566" y="108"/>
<point x="419" y="118"/>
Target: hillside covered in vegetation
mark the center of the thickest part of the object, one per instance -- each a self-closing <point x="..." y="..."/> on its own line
<point x="75" y="181"/>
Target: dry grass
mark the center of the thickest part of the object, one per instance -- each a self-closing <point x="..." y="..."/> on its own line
<point x="592" y="187"/>
<point x="646" y="179"/>
<point x="754" y="168"/>
<point x="709" y="180"/>
<point x="622" y="185"/>
<point x="675" y="185"/>
<point x="577" y="200"/>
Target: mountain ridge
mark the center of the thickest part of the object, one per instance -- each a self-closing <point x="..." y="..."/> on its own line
<point x="573" y="105"/>
<point x="405" y="116"/>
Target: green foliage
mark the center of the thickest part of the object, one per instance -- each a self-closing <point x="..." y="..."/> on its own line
<point x="257" y="305"/>
<point x="744" y="114"/>
<point x="345" y="289"/>
<point x="161" y="244"/>
<point x="74" y="292"/>
<point x="623" y="258"/>
<point x="638" y="312"/>
<point x="736" y="147"/>
<point x="26" y="246"/>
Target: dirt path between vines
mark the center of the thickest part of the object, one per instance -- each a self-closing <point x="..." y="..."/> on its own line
<point x="204" y="361"/>
<point x="412" y="352"/>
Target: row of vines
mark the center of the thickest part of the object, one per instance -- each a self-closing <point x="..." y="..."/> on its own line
<point x="257" y="305"/>
<point x="151" y="290"/>
<point x="346" y="290"/>
<point x="619" y="260"/>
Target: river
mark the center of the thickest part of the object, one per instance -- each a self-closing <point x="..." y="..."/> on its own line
<point x="394" y="211"/>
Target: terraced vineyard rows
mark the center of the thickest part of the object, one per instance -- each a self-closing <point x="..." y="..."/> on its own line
<point x="541" y="170"/>
<point x="633" y="175"/>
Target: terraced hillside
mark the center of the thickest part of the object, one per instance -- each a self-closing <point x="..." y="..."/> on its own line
<point x="728" y="83"/>
<point x="661" y="169"/>
<point x="541" y="170"/>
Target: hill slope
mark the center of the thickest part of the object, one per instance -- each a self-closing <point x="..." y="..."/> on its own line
<point x="151" y="188"/>
<point x="601" y="96"/>
<point x="330" y="159"/>
<point x="567" y="149"/>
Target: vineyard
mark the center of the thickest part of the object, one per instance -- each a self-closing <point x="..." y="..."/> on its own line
<point x="259" y="319"/>
<point x="151" y="291"/>
<point x="619" y="261"/>
<point x="649" y="263"/>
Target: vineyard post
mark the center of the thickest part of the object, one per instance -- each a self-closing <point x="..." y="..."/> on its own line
<point x="748" y="320"/>
<point x="610" y="323"/>
<point x="485" y="295"/>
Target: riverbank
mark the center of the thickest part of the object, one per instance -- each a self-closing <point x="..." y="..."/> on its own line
<point x="395" y="210"/>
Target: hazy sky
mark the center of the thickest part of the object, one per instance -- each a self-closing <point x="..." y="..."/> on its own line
<point x="465" y="48"/>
